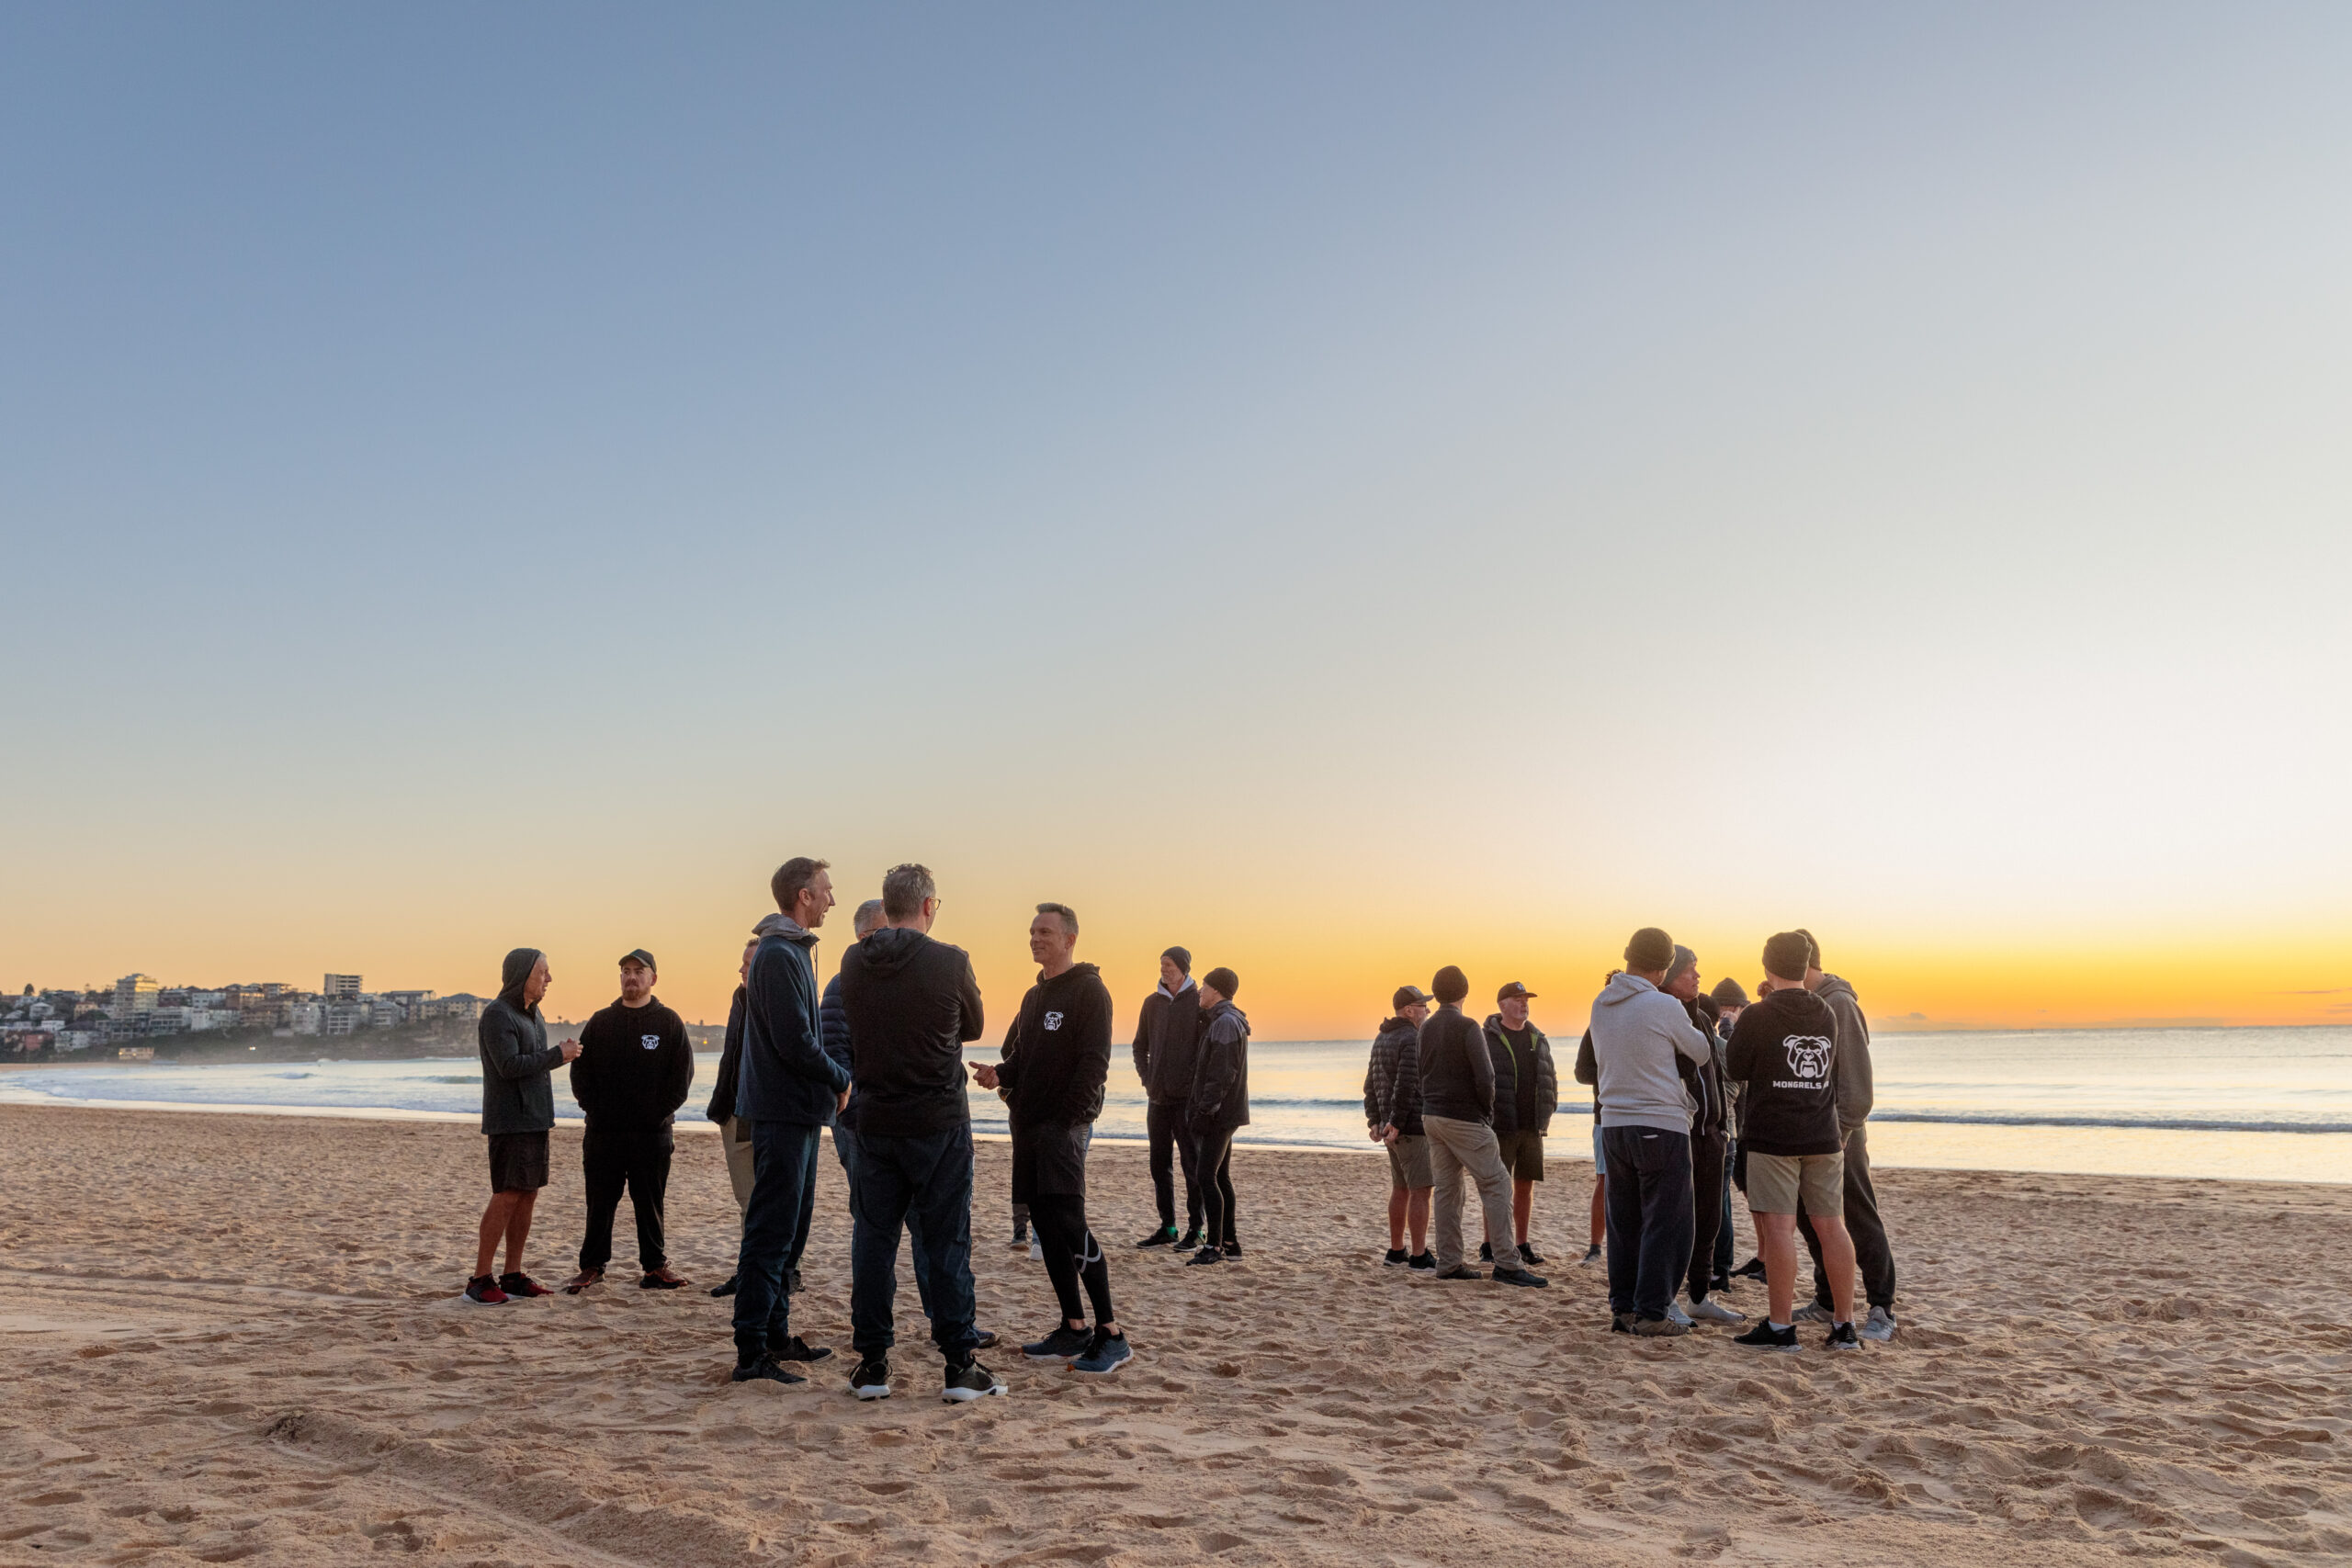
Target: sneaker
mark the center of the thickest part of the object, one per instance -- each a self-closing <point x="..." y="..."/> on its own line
<point x="1190" y="1241"/>
<point x="767" y="1369"/>
<point x="1036" y="1250"/>
<point x="1841" y="1338"/>
<point x="1674" y="1314"/>
<point x="1422" y="1263"/>
<point x="1233" y="1249"/>
<point x="1520" y="1277"/>
<point x="1460" y="1271"/>
<point x="522" y="1285"/>
<point x="792" y="1282"/>
<point x="969" y="1381"/>
<point x="1709" y="1310"/>
<point x="1812" y="1312"/>
<point x="987" y="1341"/>
<point x="1621" y="1323"/>
<point x="1880" y="1325"/>
<point x="724" y="1287"/>
<point x="1164" y="1236"/>
<point x="1486" y="1252"/>
<point x="1591" y="1254"/>
<point x="581" y="1281"/>
<point x="1660" y="1327"/>
<point x="799" y="1349"/>
<point x="1206" y="1255"/>
<point x="1751" y="1269"/>
<point x="1064" y="1343"/>
<point x="1396" y="1259"/>
<point x="1719" y="1284"/>
<point x="1764" y="1336"/>
<point x="1020" y="1237"/>
<point x="1527" y="1254"/>
<point x="870" y="1378"/>
<point x="1108" y="1353"/>
<point x="661" y="1279"/>
<point x="482" y="1291"/>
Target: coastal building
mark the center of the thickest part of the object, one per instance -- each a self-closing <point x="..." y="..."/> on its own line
<point x="134" y="995"/>
<point x="341" y="989"/>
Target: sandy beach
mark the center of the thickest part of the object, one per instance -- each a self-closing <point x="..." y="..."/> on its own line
<point x="237" y="1339"/>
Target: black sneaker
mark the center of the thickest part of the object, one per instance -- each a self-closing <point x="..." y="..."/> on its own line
<point x="1520" y="1277"/>
<point x="725" y="1288"/>
<point x="1764" y="1336"/>
<point x="871" y="1379"/>
<point x="1020" y="1237"/>
<point x="1459" y="1271"/>
<point x="1486" y="1252"/>
<point x="1527" y="1254"/>
<point x="1106" y="1353"/>
<point x="769" y="1369"/>
<point x="1165" y="1235"/>
<point x="1395" y="1258"/>
<point x="1233" y="1249"/>
<point x="1841" y="1338"/>
<point x="1190" y="1241"/>
<point x="1719" y="1284"/>
<point x="1621" y="1323"/>
<point x="1422" y="1263"/>
<point x="971" y="1380"/>
<point x="1064" y="1343"/>
<point x="799" y="1349"/>
<point x="1206" y="1255"/>
<point x="1591" y="1254"/>
<point x="792" y="1282"/>
<point x="1751" y="1269"/>
<point x="987" y="1341"/>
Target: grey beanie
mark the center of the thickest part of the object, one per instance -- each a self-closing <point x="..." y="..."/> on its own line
<point x="1684" y="961"/>
<point x="1183" y="959"/>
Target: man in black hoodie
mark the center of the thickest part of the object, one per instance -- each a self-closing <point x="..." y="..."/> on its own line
<point x="1872" y="1253"/>
<point x="911" y="1003"/>
<point x="1458" y="1112"/>
<point x="1167" y="1036"/>
<point x="633" y="1071"/>
<point x="1056" y="1056"/>
<point x="734" y="1135"/>
<point x="1220" y="1107"/>
<point x="517" y="1114"/>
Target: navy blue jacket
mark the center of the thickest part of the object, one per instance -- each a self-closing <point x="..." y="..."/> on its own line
<point x="832" y="1021"/>
<point x="786" y="1077"/>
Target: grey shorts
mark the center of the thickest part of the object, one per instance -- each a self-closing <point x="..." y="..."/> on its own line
<point x="518" y="1162"/>
<point x="1408" y="1162"/>
<point x="1522" y="1155"/>
<point x="1778" y="1184"/>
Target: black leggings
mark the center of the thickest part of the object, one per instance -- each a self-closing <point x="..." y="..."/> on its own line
<point x="1706" y="1209"/>
<point x="1072" y="1255"/>
<point x="1216" y="1188"/>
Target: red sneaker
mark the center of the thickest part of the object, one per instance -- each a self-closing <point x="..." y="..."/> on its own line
<point x="522" y="1285"/>
<point x="482" y="1291"/>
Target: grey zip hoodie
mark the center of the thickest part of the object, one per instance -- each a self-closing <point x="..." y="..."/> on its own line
<point x="1637" y="1031"/>
<point x="1853" y="1057"/>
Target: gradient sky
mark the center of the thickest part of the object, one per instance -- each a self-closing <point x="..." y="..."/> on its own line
<point x="1350" y="489"/>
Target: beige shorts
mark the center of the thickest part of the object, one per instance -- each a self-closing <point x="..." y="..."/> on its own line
<point x="1777" y="1184"/>
<point x="1408" y="1162"/>
<point x="1522" y="1155"/>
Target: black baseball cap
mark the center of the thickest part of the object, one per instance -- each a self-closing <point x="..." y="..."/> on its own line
<point x="1407" y="996"/>
<point x="639" y="955"/>
<point x="1515" y="990"/>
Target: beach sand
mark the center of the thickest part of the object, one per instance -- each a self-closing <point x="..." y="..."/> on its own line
<point x="236" y="1338"/>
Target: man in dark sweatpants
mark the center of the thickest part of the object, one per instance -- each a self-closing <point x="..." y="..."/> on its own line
<point x="1639" y="1033"/>
<point x="1709" y="1137"/>
<point x="910" y="1004"/>
<point x="1167" y="1035"/>
<point x="1872" y="1253"/>
<point x="1218" y="1108"/>
<point x="789" y="1089"/>
<point x="1056" y="1057"/>
<point x="633" y="1071"/>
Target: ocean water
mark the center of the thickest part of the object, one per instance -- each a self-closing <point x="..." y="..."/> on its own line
<point x="2262" y="1104"/>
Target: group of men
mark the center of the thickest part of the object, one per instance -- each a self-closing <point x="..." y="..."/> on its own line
<point x="877" y="1056"/>
<point x="1694" y="1094"/>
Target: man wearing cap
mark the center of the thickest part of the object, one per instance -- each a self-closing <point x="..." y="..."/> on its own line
<point x="1392" y="1108"/>
<point x="1167" y="1042"/>
<point x="1527" y="1090"/>
<point x="633" y="1071"/>
<point x="1458" y="1112"/>
<point x="1863" y="1223"/>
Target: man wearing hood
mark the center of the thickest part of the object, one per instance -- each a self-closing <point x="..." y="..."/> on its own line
<point x="789" y="1090"/>
<point x="1863" y="1223"/>
<point x="1639" y="1036"/>
<point x="1167" y="1038"/>
<point x="1392" y="1108"/>
<point x="1057" y="1056"/>
<point x="1527" y="1090"/>
<point x="734" y="1135"/>
<point x="517" y="1114"/>
<point x="633" y="1071"/>
<point x="1219" y="1107"/>
<point x="1457" y="1111"/>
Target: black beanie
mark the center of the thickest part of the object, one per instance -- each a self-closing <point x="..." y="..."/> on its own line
<point x="1183" y="959"/>
<point x="1729" y="993"/>
<point x="1812" y="948"/>
<point x="1786" y="955"/>
<point x="1223" y="981"/>
<point x="1650" y="951"/>
<point x="1450" y="985"/>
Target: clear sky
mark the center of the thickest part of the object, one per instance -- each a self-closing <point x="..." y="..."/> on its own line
<point x="1349" y="488"/>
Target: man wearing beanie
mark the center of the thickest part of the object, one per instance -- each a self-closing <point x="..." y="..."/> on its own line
<point x="1219" y="1108"/>
<point x="1730" y="997"/>
<point x="1863" y="1224"/>
<point x="1639" y="1036"/>
<point x="1167" y="1037"/>
<point x="1708" y="1137"/>
<point x="1392" y="1109"/>
<point x="1457" y="1113"/>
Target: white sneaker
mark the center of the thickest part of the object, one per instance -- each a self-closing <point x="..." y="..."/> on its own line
<point x="1812" y="1312"/>
<point x="1674" y="1314"/>
<point x="1036" y="1253"/>
<point x="1713" y="1311"/>
<point x="1880" y="1325"/>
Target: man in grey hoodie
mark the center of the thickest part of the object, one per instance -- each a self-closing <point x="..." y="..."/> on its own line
<point x="517" y="1114"/>
<point x="1871" y="1252"/>
<point x="1638" y="1032"/>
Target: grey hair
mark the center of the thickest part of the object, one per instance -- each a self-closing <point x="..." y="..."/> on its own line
<point x="868" y="916"/>
<point x="1068" y="916"/>
<point x="904" y="887"/>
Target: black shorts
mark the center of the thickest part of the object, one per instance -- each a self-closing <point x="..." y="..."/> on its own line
<point x="518" y="1162"/>
<point x="1049" y="1159"/>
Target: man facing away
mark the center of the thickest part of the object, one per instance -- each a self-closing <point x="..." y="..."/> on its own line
<point x="1392" y="1108"/>
<point x="1784" y="1052"/>
<point x="633" y="1071"/>
<point x="517" y="1114"/>
<point x="910" y="1004"/>
<point x="1167" y="1036"/>
<point x="1218" y="1108"/>
<point x="1527" y="1090"/>
<point x="1709" y="1135"/>
<point x="1457" y="1113"/>
<point x="1730" y="998"/>
<point x="1638" y="1032"/>
<point x="1863" y="1223"/>
<point x="734" y="1135"/>
<point x="1055" y="1058"/>
<point x="789" y="1089"/>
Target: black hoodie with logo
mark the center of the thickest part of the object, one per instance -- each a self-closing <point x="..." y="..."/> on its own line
<point x="912" y="1003"/>
<point x="1057" y="1052"/>
<point x="1784" y="1051"/>
<point x="635" y="1066"/>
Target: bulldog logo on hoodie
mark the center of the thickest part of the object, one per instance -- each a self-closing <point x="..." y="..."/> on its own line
<point x="1808" y="1055"/>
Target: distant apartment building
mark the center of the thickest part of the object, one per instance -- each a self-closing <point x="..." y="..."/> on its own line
<point x="341" y="989"/>
<point x="134" y="995"/>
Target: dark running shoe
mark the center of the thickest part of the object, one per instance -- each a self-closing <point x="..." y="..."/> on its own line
<point x="1064" y="1343"/>
<point x="1591" y="1254"/>
<point x="1190" y="1241"/>
<point x="870" y="1378"/>
<point x="971" y="1380"/>
<point x="1660" y="1327"/>
<point x="1841" y="1338"/>
<point x="1422" y="1263"/>
<point x="767" y="1369"/>
<point x="799" y="1349"/>
<point x="482" y="1291"/>
<point x="661" y="1279"/>
<point x="1021" y="1238"/>
<point x="1206" y="1255"/>
<point x="1162" y="1236"/>
<point x="1621" y="1323"/>
<point x="792" y="1282"/>
<point x="1527" y="1254"/>
<point x="1520" y="1277"/>
<point x="1107" y="1353"/>
<point x="1397" y="1257"/>
<point x="1232" y="1248"/>
<point x="724" y="1287"/>
<point x="1751" y="1269"/>
<point x="987" y="1341"/>
<point x="1764" y="1336"/>
<point x="581" y="1281"/>
<point x="1719" y="1284"/>
<point x="522" y="1285"/>
<point x="1486" y="1252"/>
<point x="1460" y="1271"/>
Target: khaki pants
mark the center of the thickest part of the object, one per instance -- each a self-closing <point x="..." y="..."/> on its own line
<point x="735" y="1138"/>
<point x="1456" y="1147"/>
